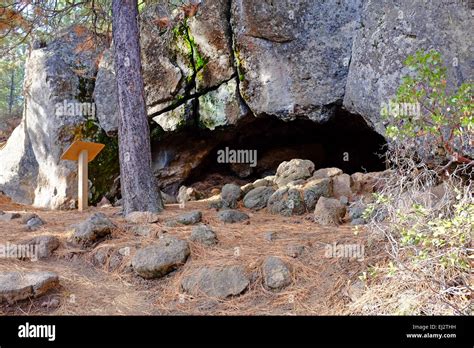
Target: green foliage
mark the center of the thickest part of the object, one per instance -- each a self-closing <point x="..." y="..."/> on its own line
<point x="430" y="115"/>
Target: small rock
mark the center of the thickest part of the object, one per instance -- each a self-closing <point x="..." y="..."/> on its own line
<point x="218" y="281"/>
<point x="295" y="169"/>
<point x="358" y="221"/>
<point x="34" y="223"/>
<point x="270" y="236"/>
<point x="329" y="211"/>
<point x="325" y="173"/>
<point x="95" y="228"/>
<point x="230" y="195"/>
<point x="215" y="202"/>
<point x="157" y="260"/>
<point x="295" y="250"/>
<point x="203" y="234"/>
<point x="52" y="304"/>
<point x="257" y="198"/>
<point x="15" y="286"/>
<point x="104" y="203"/>
<point x="341" y="186"/>
<point x="286" y="201"/>
<point x="143" y="230"/>
<point x="44" y="245"/>
<point x="231" y="216"/>
<point x="314" y="189"/>
<point x="27" y="217"/>
<point x="356" y="210"/>
<point x="142" y="217"/>
<point x="9" y="216"/>
<point x="276" y="273"/>
<point x="190" y="218"/>
<point x="356" y="290"/>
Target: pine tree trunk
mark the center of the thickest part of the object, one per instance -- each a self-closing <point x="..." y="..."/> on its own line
<point x="12" y="93"/>
<point x="138" y="184"/>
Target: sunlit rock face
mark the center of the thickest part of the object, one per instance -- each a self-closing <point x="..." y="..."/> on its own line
<point x="58" y="87"/>
<point x="393" y="29"/>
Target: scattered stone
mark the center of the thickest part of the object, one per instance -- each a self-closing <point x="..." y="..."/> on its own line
<point x="157" y="260"/>
<point x="286" y="201"/>
<point x="95" y="228"/>
<point x="218" y="282"/>
<point x="9" y="216"/>
<point x="295" y="250"/>
<point x="270" y="236"/>
<point x="325" y="173"/>
<point x="358" y="221"/>
<point x="203" y="234"/>
<point x="257" y="198"/>
<point x="363" y="183"/>
<point x="276" y="273"/>
<point x="295" y="169"/>
<point x="27" y="217"/>
<point x="341" y="186"/>
<point x="356" y="290"/>
<point x="104" y="203"/>
<point x="230" y="194"/>
<point x="190" y="218"/>
<point x="231" y="216"/>
<point x="314" y="189"/>
<point x="34" y="223"/>
<point x="44" y="245"/>
<point x="142" y="217"/>
<point x="15" y="286"/>
<point x="215" y="191"/>
<point x="329" y="211"/>
<point x="143" y="230"/>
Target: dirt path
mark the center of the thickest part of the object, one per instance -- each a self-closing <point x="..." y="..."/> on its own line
<point x="319" y="283"/>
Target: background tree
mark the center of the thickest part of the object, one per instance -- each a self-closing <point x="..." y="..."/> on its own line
<point x="139" y="189"/>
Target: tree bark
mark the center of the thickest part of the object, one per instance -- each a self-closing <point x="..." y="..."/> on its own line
<point x="12" y="93"/>
<point x="138" y="184"/>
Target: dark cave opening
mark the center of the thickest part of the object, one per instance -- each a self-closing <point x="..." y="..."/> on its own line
<point x="345" y="141"/>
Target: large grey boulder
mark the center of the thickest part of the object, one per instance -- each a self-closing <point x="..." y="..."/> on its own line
<point x="257" y="198"/>
<point x="59" y="79"/>
<point x="92" y="230"/>
<point x="294" y="55"/>
<point x="276" y="274"/>
<point x="217" y="281"/>
<point x="157" y="260"/>
<point x="393" y="29"/>
<point x="286" y="201"/>
<point x="293" y="170"/>
<point x="15" y="286"/>
<point x="105" y="94"/>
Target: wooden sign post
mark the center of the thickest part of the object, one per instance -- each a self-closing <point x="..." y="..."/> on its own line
<point x="83" y="152"/>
